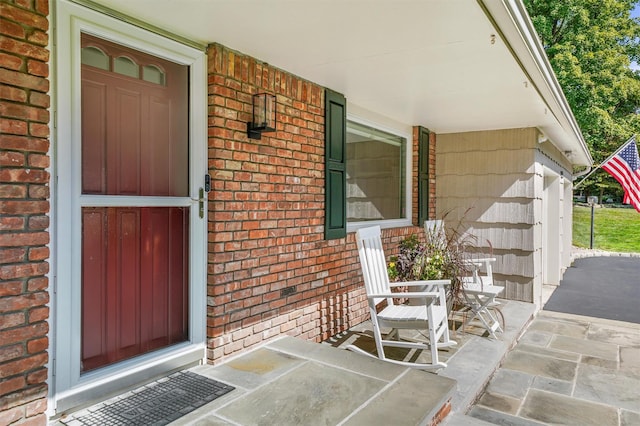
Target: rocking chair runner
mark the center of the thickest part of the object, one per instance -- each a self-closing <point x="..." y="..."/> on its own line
<point x="428" y="310"/>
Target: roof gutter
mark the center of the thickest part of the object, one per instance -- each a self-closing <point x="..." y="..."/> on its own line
<point x="512" y="20"/>
<point x="578" y="175"/>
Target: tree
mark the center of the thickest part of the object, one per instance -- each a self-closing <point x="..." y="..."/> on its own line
<point x="591" y="45"/>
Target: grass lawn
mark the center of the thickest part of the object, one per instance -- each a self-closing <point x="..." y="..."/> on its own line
<point x="614" y="229"/>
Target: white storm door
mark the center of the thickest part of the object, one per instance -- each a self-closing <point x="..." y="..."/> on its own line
<point x="127" y="202"/>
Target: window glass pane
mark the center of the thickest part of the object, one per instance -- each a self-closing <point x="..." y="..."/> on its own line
<point x="375" y="174"/>
<point x="135" y="135"/>
<point x="153" y="74"/>
<point x="95" y="57"/>
<point x="126" y="66"/>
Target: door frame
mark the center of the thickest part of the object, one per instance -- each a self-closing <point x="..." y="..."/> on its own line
<point x="68" y="388"/>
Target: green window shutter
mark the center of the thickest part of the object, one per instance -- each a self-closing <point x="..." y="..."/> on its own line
<point x="423" y="175"/>
<point x="335" y="122"/>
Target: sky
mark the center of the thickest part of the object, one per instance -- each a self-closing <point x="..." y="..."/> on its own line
<point x="634" y="14"/>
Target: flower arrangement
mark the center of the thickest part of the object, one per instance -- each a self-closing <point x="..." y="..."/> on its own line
<point x="438" y="256"/>
<point x="416" y="261"/>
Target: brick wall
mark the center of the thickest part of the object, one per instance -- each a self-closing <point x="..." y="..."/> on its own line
<point x="270" y="270"/>
<point x="24" y="205"/>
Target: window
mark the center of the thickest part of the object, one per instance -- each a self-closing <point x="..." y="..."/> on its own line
<point x="125" y="66"/>
<point x="153" y="74"/>
<point x="96" y="57"/>
<point x="376" y="174"/>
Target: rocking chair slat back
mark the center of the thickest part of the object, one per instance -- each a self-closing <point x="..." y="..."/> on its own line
<point x="373" y="262"/>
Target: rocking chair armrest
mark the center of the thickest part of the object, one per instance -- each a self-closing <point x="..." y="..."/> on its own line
<point x="420" y="283"/>
<point x="415" y="295"/>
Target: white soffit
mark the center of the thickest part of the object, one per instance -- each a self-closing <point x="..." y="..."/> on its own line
<point x="437" y="63"/>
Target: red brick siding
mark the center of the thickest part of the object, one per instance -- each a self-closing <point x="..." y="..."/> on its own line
<point x="24" y="208"/>
<point x="266" y="216"/>
<point x="441" y="414"/>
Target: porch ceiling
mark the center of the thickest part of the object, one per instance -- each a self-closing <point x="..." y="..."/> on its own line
<point x="448" y="65"/>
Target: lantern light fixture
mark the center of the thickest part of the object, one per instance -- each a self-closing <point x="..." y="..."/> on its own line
<point x="263" y="119"/>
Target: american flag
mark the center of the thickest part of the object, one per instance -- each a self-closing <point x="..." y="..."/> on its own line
<point x="625" y="168"/>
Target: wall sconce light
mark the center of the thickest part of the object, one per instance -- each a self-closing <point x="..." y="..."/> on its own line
<point x="264" y="115"/>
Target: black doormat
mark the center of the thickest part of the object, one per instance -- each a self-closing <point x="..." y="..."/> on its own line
<point x="158" y="403"/>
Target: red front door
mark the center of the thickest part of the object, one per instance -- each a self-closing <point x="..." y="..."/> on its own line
<point x="135" y="162"/>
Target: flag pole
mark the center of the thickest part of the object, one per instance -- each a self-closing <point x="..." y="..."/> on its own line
<point x="623" y="146"/>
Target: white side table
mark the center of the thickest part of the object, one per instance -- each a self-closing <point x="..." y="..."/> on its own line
<point x="479" y="299"/>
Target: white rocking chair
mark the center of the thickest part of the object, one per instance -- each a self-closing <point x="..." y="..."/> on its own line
<point x="427" y="311"/>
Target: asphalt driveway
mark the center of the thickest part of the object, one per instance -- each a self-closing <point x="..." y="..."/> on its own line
<point x="600" y="287"/>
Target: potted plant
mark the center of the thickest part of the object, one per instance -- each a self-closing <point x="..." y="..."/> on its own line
<point x="437" y="256"/>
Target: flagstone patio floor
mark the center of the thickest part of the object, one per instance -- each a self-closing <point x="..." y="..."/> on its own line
<point x="291" y="381"/>
<point x="295" y="382"/>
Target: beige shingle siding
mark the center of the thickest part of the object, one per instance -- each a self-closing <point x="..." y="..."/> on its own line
<point x="517" y="290"/>
<point x="490" y="140"/>
<point x="491" y="181"/>
<point x="503" y="238"/>
<point x="497" y="162"/>
<point x="489" y="185"/>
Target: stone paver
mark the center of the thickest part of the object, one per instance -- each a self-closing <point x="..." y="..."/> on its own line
<point x="499" y="418"/>
<point x="407" y="392"/>
<point x="629" y="418"/>
<point x="572" y="370"/>
<point x="329" y="396"/>
<point x="552" y="408"/>
<point x="552" y="385"/>
<point x="510" y="382"/>
<point x="585" y="347"/>
<point x="502" y="403"/>
<point x="609" y="386"/>
<point x="536" y="338"/>
<point x="457" y="419"/>
<point x="540" y="365"/>
<point x="256" y="368"/>
<point x="561" y="327"/>
<point x="546" y="351"/>
<point x="630" y="359"/>
<point x="623" y="336"/>
<point x="345" y="359"/>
